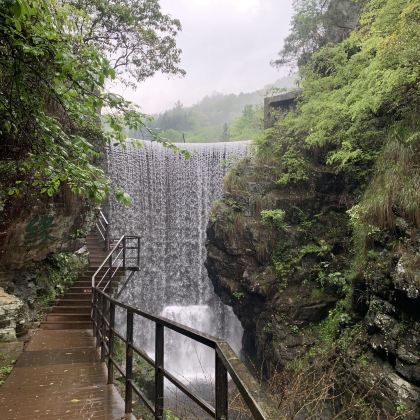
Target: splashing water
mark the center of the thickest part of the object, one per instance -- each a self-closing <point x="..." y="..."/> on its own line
<point x="171" y="198"/>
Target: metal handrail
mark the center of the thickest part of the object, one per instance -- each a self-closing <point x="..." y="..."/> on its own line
<point x="110" y="259"/>
<point x="103" y="228"/>
<point x="226" y="361"/>
<point x="103" y="217"/>
<point x="106" y="260"/>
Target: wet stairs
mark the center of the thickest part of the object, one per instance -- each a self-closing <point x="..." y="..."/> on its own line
<point x="59" y="375"/>
<point x="72" y="310"/>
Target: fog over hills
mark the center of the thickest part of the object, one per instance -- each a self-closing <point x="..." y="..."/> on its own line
<point x="218" y="117"/>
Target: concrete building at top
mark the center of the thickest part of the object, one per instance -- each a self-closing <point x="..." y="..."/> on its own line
<point x="275" y="106"/>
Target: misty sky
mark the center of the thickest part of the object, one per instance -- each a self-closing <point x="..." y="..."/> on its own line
<point x="227" y="47"/>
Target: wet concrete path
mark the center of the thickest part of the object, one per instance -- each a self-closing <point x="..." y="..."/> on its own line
<point x="59" y="376"/>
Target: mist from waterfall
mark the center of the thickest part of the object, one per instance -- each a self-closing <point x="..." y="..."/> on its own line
<point x="171" y="199"/>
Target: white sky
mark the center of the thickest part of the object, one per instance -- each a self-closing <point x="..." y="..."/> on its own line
<point x="227" y="47"/>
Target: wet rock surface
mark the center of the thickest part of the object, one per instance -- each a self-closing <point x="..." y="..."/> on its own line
<point x="282" y="282"/>
<point x="266" y="273"/>
<point x="37" y="239"/>
<point x="12" y="319"/>
<point x="393" y="308"/>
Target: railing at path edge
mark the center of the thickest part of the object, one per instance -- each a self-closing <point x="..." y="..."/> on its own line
<point x="103" y="317"/>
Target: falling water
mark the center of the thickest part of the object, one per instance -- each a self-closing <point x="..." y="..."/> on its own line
<point x="171" y="198"/>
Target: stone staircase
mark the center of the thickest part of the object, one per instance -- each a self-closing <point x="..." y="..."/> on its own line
<point x="72" y="310"/>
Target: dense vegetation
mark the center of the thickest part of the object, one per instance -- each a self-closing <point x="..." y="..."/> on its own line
<point x="219" y="117"/>
<point x="319" y="230"/>
<point x="356" y="120"/>
<point x="55" y="60"/>
<point x="358" y="115"/>
<point x="315" y="24"/>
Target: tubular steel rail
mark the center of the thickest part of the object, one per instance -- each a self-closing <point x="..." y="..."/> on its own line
<point x="125" y="255"/>
<point x="226" y="361"/>
<point x="103" y="228"/>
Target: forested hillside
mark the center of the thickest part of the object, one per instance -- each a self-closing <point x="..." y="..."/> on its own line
<point x="219" y="117"/>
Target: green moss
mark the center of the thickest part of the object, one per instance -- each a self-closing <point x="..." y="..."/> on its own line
<point x="274" y="218"/>
<point x="7" y="362"/>
<point x="321" y="248"/>
<point x="234" y="181"/>
<point x="143" y="374"/>
<point x="402" y="409"/>
<point x="334" y="331"/>
<point x="238" y="295"/>
<point x="317" y="293"/>
<point x="364" y="360"/>
<point x="55" y="274"/>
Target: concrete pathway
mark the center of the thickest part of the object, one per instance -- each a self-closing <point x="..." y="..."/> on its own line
<point x="59" y="376"/>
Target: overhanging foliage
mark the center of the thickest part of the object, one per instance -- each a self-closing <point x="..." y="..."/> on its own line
<point x="53" y="73"/>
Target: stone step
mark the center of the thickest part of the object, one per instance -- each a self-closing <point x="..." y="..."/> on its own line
<point x="82" y="309"/>
<point x="73" y="310"/>
<point x="53" y="317"/>
<point x="73" y="302"/>
<point x="66" y="325"/>
<point x="82" y="283"/>
<point x="90" y="273"/>
<point x="88" y="280"/>
<point x="116" y="276"/>
<point x="77" y="288"/>
<point x="77" y="296"/>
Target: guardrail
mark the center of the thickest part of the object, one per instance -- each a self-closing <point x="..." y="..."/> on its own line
<point x="103" y="228"/>
<point x="123" y="256"/>
<point x="226" y="361"/>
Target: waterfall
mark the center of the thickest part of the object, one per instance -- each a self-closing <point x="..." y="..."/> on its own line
<point x="171" y="199"/>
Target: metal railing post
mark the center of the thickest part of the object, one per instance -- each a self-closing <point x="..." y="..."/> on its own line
<point x="107" y="239"/>
<point x="221" y="390"/>
<point x="93" y="311"/>
<point x="111" y="342"/>
<point x="159" y="366"/>
<point x="110" y="271"/>
<point x="124" y="250"/>
<point x="103" y="313"/>
<point x="129" y="363"/>
<point x="98" y="304"/>
<point x="103" y="327"/>
<point x="138" y="252"/>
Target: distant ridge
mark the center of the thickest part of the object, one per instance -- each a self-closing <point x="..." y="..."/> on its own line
<point x="210" y="118"/>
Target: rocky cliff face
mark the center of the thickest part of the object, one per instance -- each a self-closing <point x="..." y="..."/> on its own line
<point x="38" y="239"/>
<point x="268" y="273"/>
<point x="33" y="227"/>
<point x="284" y="278"/>
<point x="387" y="296"/>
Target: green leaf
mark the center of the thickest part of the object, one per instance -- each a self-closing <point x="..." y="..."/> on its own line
<point x="123" y="197"/>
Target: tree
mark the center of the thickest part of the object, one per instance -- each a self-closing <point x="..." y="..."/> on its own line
<point x="249" y="124"/>
<point x="52" y="84"/>
<point x="358" y="115"/>
<point x="225" y="134"/>
<point x="316" y="23"/>
<point x="136" y="37"/>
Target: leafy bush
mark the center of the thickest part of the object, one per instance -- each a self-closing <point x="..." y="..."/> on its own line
<point x="274" y="218"/>
<point x="55" y="60"/>
<point x="356" y="95"/>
